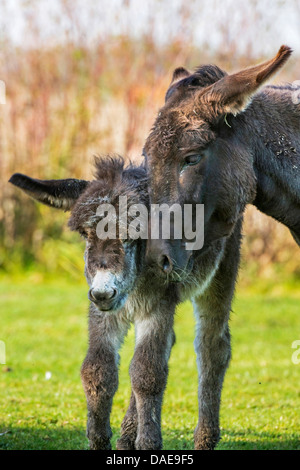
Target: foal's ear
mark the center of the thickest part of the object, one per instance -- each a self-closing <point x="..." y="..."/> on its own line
<point x="233" y="93"/>
<point x="60" y="194"/>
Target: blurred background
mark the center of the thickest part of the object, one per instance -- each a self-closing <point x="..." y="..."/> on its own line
<point x="86" y="78"/>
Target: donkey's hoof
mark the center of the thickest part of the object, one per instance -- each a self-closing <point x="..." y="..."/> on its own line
<point x="147" y="443"/>
<point x="206" y="439"/>
<point x="125" y="443"/>
<point x="99" y="444"/>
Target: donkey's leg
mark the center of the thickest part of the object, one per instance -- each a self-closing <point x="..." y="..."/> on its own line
<point x="99" y="374"/>
<point x="212" y="346"/>
<point x="129" y="427"/>
<point x="212" y="343"/>
<point x="149" y="371"/>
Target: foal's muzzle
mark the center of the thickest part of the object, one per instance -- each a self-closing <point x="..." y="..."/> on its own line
<point x="103" y="299"/>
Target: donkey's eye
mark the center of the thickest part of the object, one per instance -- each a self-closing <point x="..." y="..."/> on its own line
<point x="191" y="160"/>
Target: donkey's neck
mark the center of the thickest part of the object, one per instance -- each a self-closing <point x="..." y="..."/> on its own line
<point x="275" y="122"/>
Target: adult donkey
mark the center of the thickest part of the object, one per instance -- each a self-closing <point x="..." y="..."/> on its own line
<point x="221" y="142"/>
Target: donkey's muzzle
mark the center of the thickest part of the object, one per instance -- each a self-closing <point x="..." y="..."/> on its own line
<point x="102" y="298"/>
<point x="172" y="259"/>
<point x="165" y="263"/>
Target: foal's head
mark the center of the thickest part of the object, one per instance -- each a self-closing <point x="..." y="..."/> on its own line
<point x="113" y="260"/>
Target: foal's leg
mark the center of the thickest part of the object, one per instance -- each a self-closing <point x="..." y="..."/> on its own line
<point x="129" y="427"/>
<point x="148" y="372"/>
<point x="99" y="374"/>
<point x="212" y="344"/>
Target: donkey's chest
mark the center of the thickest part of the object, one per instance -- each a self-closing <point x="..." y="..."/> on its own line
<point x="204" y="272"/>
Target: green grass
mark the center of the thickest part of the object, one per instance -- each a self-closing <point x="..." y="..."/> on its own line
<point x="44" y="327"/>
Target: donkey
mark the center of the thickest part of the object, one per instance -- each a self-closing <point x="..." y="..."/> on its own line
<point x="122" y="291"/>
<point x="221" y="141"/>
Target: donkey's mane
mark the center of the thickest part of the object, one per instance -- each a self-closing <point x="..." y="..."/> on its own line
<point x="113" y="177"/>
<point x="119" y="176"/>
<point x="203" y="76"/>
<point x="207" y="75"/>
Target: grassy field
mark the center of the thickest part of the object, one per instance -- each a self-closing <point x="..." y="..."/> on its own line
<point x="42" y="404"/>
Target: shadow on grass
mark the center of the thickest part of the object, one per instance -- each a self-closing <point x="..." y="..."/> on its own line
<point x="44" y="438"/>
<point x="23" y="438"/>
<point x="258" y="440"/>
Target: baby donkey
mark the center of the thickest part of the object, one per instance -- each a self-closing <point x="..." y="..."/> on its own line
<point x="123" y="290"/>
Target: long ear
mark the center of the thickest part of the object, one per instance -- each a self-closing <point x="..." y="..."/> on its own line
<point x="233" y="93"/>
<point x="61" y="194"/>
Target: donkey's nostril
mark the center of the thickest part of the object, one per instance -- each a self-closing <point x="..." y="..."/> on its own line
<point x="165" y="264"/>
<point x="96" y="295"/>
<point x="113" y="293"/>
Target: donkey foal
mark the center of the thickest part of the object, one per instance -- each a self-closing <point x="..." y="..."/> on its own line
<point x="122" y="291"/>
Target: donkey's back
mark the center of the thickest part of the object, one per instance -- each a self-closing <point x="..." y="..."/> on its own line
<point x="273" y="121"/>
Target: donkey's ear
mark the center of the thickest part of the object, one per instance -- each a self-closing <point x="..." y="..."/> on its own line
<point x="61" y="194"/>
<point x="233" y="93"/>
<point x="179" y="74"/>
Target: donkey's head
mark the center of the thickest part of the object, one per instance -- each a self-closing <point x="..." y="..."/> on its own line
<point x="198" y="150"/>
<point x="112" y="260"/>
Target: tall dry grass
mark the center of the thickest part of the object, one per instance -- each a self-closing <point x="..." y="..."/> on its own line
<point x="64" y="103"/>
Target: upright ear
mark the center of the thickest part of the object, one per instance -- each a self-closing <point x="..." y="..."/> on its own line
<point x="233" y="93"/>
<point x="60" y="194"/>
<point x="179" y="74"/>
